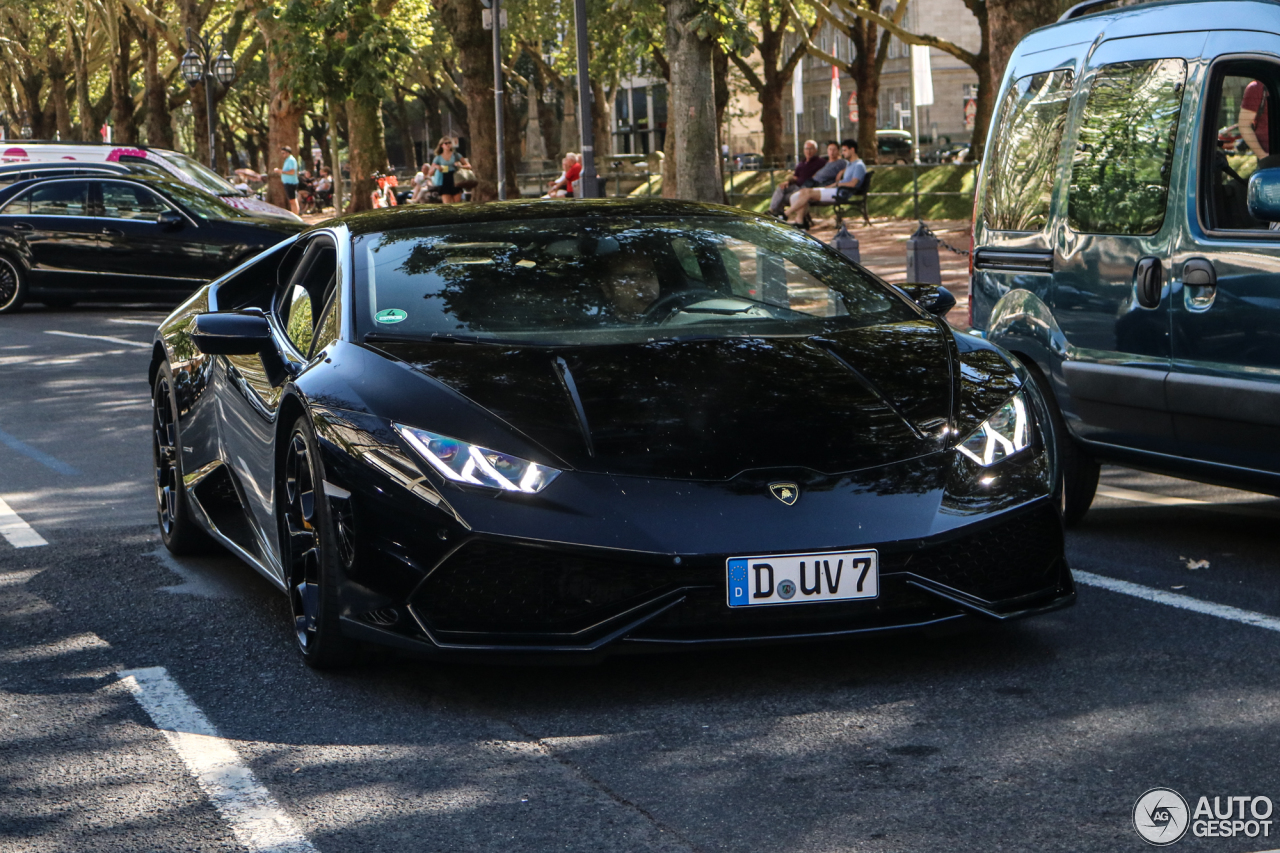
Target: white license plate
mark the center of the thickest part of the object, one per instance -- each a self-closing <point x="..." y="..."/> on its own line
<point x="803" y="578"/>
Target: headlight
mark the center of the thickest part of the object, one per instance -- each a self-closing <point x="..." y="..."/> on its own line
<point x="1000" y="436"/>
<point x="477" y="466"/>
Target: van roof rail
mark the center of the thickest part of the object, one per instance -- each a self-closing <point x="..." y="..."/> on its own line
<point x="1082" y="9"/>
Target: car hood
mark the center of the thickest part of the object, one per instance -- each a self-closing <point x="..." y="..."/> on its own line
<point x="710" y="409"/>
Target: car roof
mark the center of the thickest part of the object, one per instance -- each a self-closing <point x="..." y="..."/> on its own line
<point x="1160" y="16"/>
<point x="129" y="177"/>
<point x="431" y="215"/>
<point x="64" y="166"/>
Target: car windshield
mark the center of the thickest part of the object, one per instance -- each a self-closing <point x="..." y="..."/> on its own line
<point x="199" y="174"/>
<point x="610" y="280"/>
<point x="208" y="206"/>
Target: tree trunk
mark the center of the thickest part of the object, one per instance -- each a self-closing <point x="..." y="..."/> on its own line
<point x="283" y="116"/>
<point x="332" y="109"/>
<point x="58" y="94"/>
<point x="670" y="186"/>
<point x="570" y="139"/>
<point x="693" y="108"/>
<point x="602" y="124"/>
<point x="159" y="127"/>
<point x="475" y="60"/>
<point x="988" y="84"/>
<point x="84" y="110"/>
<point x="124" y="130"/>
<point x="866" y="79"/>
<point x="771" y="121"/>
<point x="720" y="78"/>
<point x="368" y="150"/>
<point x="435" y="120"/>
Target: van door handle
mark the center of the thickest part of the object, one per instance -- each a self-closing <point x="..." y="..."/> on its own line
<point x="23" y="226"/>
<point x="1148" y="280"/>
<point x="1200" y="283"/>
<point x="113" y="232"/>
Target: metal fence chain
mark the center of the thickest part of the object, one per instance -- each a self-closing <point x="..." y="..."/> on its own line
<point x="943" y="243"/>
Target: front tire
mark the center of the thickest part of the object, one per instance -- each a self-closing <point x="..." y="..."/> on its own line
<point x="309" y="547"/>
<point x="178" y="529"/>
<point x="13" y="286"/>
<point x="1079" y="469"/>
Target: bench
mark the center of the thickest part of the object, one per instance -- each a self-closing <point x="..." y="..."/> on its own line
<point x="859" y="199"/>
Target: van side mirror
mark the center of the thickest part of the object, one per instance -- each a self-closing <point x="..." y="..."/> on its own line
<point x="1264" y="195"/>
<point x="232" y="332"/>
<point x="932" y="298"/>
<point x="169" y="220"/>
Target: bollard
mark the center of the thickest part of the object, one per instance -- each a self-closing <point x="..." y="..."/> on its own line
<point x="922" y="258"/>
<point x="847" y="244"/>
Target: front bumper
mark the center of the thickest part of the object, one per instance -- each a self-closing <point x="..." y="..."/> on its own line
<point x="513" y="598"/>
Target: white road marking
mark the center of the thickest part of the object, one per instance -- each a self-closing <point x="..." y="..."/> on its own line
<point x="99" y="338"/>
<point x="1173" y="599"/>
<point x="151" y="323"/>
<point x="17" y="578"/>
<point x="18" y="532"/>
<point x="256" y="819"/>
<point x="1146" y="497"/>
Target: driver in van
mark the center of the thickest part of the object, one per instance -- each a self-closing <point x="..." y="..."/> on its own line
<point x="1255" y="119"/>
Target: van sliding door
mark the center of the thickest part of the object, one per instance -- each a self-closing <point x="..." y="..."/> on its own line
<point x="1111" y="264"/>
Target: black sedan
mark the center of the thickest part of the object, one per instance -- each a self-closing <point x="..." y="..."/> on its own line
<point x="541" y="428"/>
<point x="117" y="237"/>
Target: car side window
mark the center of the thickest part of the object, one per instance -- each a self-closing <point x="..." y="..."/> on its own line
<point x="255" y="284"/>
<point x="1024" y="156"/>
<point x="1124" y="154"/>
<point x="1242" y="102"/>
<point x="63" y="198"/>
<point x="304" y="297"/>
<point x="129" y="201"/>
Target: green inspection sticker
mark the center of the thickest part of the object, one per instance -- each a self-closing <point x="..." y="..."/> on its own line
<point x="390" y="315"/>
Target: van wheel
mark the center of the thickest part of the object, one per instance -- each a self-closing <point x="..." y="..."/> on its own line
<point x="1079" y="469"/>
<point x="13" y="287"/>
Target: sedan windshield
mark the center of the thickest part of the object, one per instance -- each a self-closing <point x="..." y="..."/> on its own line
<point x="199" y="174"/>
<point x="610" y="280"/>
<point x="203" y="204"/>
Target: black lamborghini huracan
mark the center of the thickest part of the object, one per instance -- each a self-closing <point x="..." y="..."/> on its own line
<point x="571" y="428"/>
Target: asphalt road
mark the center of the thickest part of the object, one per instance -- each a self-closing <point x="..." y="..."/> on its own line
<point x="1038" y="736"/>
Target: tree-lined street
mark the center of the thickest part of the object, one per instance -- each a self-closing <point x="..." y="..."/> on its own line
<point x="1037" y="735"/>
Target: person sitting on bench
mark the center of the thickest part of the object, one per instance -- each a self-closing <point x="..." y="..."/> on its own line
<point x="836" y="193"/>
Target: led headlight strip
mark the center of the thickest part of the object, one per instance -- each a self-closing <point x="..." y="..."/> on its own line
<point x="1005" y="433"/>
<point x="462" y="462"/>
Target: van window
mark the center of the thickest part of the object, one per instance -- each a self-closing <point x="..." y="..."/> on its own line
<point x="1123" y="157"/>
<point x="1243" y="95"/>
<point x="1024" y="158"/>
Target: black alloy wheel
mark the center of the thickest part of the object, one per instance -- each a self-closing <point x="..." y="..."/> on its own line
<point x="178" y="530"/>
<point x="308" y="546"/>
<point x="13" y="287"/>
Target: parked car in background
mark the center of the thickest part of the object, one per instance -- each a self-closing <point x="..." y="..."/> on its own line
<point x="894" y="146"/>
<point x="120" y="237"/>
<point x="1124" y="244"/>
<point x="178" y="166"/>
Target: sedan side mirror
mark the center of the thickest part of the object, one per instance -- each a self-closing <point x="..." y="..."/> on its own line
<point x="936" y="300"/>
<point x="232" y="332"/>
<point x="1264" y="195"/>
<point x="170" y="220"/>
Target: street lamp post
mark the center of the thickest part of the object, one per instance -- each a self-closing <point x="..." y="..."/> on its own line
<point x="200" y="64"/>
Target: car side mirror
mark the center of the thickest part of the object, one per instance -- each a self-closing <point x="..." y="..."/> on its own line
<point x="1264" y="195"/>
<point x="170" y="220"/>
<point x="232" y="332"/>
<point x="932" y="298"/>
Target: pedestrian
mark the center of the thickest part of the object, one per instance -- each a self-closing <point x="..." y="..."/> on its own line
<point x="421" y="184"/>
<point x="444" y="169"/>
<point x="289" y="177"/>
<point x="801" y="177"/>
<point x="562" y="187"/>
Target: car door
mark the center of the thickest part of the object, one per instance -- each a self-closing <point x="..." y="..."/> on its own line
<point x="1111" y="261"/>
<point x="142" y="253"/>
<point x="1224" y="389"/>
<point x="54" y="220"/>
<point x="251" y="400"/>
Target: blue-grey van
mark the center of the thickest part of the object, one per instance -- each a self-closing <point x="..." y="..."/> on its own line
<point x="1124" y="245"/>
